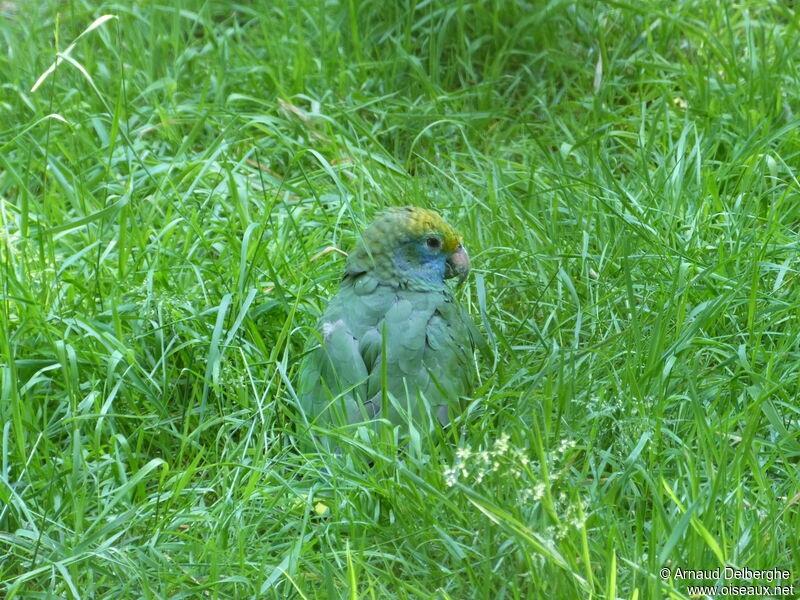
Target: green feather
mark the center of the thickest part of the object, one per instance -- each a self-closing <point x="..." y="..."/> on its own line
<point x="429" y="341"/>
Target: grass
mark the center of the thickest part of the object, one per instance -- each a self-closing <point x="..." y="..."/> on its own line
<point x="624" y="178"/>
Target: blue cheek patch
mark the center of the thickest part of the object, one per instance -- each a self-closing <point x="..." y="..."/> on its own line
<point x="427" y="267"/>
<point x="434" y="266"/>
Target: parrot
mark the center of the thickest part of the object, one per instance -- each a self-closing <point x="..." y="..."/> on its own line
<point x="392" y="341"/>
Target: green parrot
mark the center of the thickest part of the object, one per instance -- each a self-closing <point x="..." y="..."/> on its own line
<point x="393" y="326"/>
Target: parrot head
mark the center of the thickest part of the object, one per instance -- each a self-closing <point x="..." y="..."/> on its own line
<point x="410" y="247"/>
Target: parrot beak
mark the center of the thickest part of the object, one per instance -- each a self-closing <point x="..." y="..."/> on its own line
<point x="457" y="265"/>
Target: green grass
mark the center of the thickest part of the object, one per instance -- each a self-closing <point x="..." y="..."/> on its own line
<point x="624" y="176"/>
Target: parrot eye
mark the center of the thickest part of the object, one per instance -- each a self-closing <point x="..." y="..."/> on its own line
<point x="433" y="243"/>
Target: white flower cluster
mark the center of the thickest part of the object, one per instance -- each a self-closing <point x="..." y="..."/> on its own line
<point x="502" y="463"/>
<point x="572" y="516"/>
<point x="472" y="466"/>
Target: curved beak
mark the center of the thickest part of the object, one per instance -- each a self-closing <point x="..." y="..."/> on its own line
<point x="457" y="265"/>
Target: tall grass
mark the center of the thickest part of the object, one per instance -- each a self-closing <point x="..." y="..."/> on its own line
<point x="624" y="178"/>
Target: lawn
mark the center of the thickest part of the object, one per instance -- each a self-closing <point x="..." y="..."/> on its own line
<point x="624" y="176"/>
